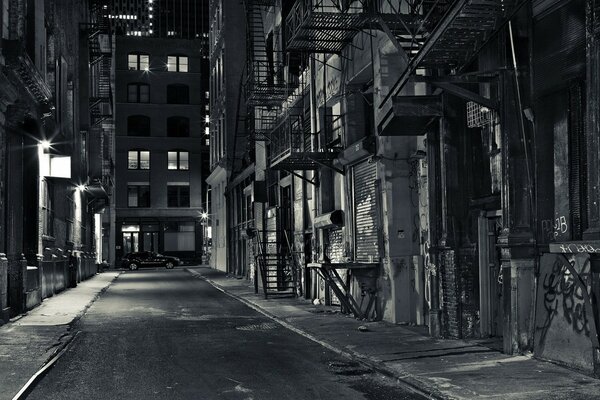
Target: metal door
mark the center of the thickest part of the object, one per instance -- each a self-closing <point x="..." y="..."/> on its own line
<point x="366" y="220"/>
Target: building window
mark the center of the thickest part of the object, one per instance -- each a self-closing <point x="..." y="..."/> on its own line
<point x="177" y="63"/>
<point x="138" y="93"/>
<point x="70" y="217"/>
<point x="178" y="127"/>
<point x="178" y="94"/>
<point x="179" y="160"/>
<point x="180" y="236"/>
<point x="138" y="195"/>
<point x="138" y="62"/>
<point x="48" y="208"/>
<point x="138" y="125"/>
<point x="178" y="195"/>
<point x="138" y="159"/>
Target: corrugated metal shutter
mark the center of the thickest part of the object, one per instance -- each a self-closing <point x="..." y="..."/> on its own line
<point x="365" y="212"/>
<point x="577" y="161"/>
<point x="559" y="47"/>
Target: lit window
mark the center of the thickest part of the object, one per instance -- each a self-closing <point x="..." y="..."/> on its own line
<point x="179" y="160"/>
<point x="177" y="63"/>
<point x="138" y="159"/>
<point x="138" y="62"/>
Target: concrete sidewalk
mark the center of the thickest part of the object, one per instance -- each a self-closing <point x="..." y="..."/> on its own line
<point x="29" y="341"/>
<point x="449" y="369"/>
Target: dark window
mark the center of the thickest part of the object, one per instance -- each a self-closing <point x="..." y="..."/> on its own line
<point x="178" y="196"/>
<point x="138" y="93"/>
<point x="178" y="127"/>
<point x="138" y="159"/>
<point x="138" y="195"/>
<point x="178" y="94"/>
<point x="177" y="63"/>
<point x="138" y="125"/>
<point x="138" y="62"/>
<point x="179" y="160"/>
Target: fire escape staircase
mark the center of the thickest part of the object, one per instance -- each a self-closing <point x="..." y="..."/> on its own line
<point x="265" y="85"/>
<point x="443" y="35"/>
<point x="276" y="267"/>
<point x="325" y="26"/>
<point x="100" y="101"/>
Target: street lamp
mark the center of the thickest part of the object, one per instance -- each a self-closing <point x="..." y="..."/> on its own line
<point x="45" y="144"/>
<point x="204" y="222"/>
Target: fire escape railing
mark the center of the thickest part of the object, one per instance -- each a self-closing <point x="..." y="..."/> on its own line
<point x="100" y="101"/>
<point x="294" y="148"/>
<point x="325" y="26"/>
<point x="443" y="34"/>
<point x="265" y="85"/>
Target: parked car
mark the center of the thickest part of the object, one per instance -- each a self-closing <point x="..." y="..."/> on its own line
<point x="142" y="259"/>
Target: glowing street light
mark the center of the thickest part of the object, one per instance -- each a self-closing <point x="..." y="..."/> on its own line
<point x="45" y="144"/>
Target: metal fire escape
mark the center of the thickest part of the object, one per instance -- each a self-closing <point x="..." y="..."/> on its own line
<point x="294" y="147"/>
<point x="325" y="26"/>
<point x="443" y="35"/>
<point x="100" y="101"/>
<point x="265" y="85"/>
<point x="101" y="125"/>
<point x="266" y="91"/>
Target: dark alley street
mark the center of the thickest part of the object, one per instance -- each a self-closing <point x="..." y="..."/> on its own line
<point x="158" y="334"/>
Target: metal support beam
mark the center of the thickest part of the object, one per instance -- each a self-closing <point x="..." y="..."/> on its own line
<point x="431" y="41"/>
<point x="467" y="94"/>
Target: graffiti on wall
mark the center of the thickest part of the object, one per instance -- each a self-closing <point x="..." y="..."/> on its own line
<point x="552" y="228"/>
<point x="565" y="329"/>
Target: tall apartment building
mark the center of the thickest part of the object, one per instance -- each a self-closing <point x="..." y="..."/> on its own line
<point x="159" y="145"/>
<point x="227" y="53"/>
<point x="184" y="19"/>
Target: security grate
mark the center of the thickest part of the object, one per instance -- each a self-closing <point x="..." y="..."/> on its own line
<point x="478" y="115"/>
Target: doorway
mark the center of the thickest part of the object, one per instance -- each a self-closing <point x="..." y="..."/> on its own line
<point x="131" y="242"/>
<point x="490" y="274"/>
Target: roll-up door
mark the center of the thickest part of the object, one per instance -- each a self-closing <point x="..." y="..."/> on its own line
<point x="365" y="212"/>
<point x="558" y="46"/>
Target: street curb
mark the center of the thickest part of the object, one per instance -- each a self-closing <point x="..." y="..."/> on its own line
<point x="62" y="347"/>
<point x="37" y="377"/>
<point x="409" y="381"/>
<point x="92" y="301"/>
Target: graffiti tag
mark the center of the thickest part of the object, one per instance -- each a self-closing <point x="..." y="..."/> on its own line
<point x="574" y="248"/>
<point x="554" y="227"/>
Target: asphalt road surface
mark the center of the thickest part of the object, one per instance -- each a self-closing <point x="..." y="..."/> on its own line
<point x="162" y="334"/>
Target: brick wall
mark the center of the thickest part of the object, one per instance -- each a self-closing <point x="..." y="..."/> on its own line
<point x="450" y="291"/>
<point x="469" y="291"/>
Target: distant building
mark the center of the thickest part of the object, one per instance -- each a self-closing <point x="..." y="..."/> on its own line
<point x="159" y="145"/>
<point x="133" y="17"/>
